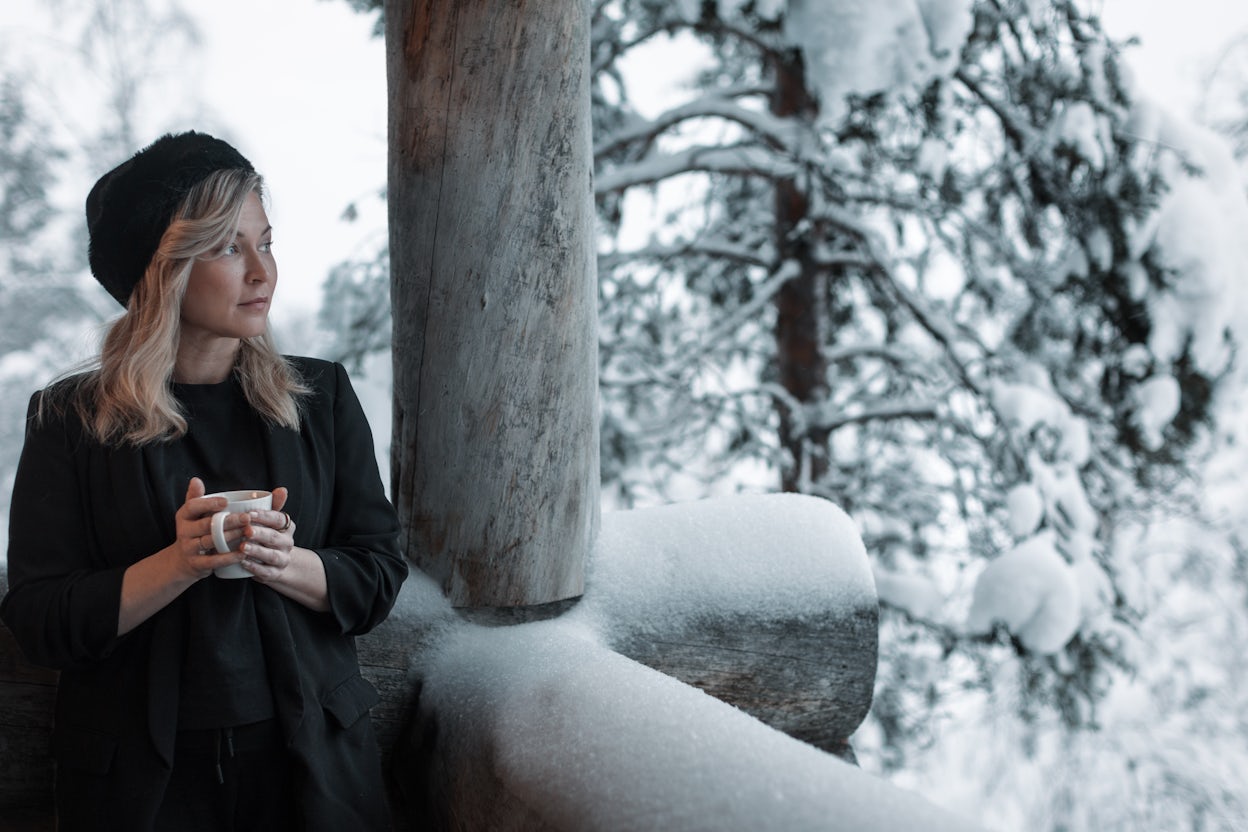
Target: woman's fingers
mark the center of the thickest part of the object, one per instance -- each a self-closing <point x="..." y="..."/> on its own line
<point x="277" y="520"/>
<point x="198" y="533"/>
<point x="194" y="488"/>
<point x="213" y="560"/>
<point x="198" y="508"/>
<point x="269" y="543"/>
<point x="197" y="504"/>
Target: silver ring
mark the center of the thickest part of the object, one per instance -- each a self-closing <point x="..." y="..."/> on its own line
<point x="287" y="526"/>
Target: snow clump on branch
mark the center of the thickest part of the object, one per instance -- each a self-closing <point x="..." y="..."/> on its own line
<point x="862" y="46"/>
<point x="869" y="46"/>
<point x="1196" y="236"/>
<point x="1033" y="591"/>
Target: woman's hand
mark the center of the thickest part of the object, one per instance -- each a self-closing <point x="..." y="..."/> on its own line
<point x="272" y="557"/>
<point x="194" y="535"/>
<point x="150" y="584"/>
<point x="268" y="539"/>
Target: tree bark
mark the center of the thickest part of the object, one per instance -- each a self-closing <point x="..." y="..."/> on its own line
<point x="801" y="365"/>
<point x="494" y="293"/>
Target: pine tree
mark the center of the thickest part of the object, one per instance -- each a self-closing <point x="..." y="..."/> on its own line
<point x="931" y="305"/>
<point x="34" y="299"/>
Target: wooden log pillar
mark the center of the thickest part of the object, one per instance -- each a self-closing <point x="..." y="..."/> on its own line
<point x="494" y="293"/>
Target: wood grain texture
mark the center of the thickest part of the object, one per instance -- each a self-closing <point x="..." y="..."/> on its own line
<point x="812" y="678"/>
<point x="495" y="429"/>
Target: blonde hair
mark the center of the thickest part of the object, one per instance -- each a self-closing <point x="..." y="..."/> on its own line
<point x="128" y="395"/>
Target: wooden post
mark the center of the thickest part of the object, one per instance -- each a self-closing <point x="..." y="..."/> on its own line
<point x="494" y="293"/>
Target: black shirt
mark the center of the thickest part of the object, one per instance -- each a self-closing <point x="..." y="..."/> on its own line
<point x="224" y="679"/>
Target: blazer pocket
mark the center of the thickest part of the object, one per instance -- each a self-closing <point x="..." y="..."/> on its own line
<point x="351" y="700"/>
<point x="84" y="749"/>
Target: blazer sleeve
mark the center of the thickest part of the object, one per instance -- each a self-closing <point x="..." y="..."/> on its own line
<point x="62" y="606"/>
<point x="364" y="566"/>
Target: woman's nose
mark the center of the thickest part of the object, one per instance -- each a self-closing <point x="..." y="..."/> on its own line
<point x="258" y="270"/>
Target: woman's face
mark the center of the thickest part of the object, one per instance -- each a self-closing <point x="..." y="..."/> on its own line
<point x="230" y="290"/>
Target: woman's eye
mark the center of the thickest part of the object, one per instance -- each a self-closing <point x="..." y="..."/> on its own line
<point x="266" y="245"/>
<point x="229" y="248"/>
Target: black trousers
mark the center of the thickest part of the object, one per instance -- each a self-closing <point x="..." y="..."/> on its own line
<point x="229" y="780"/>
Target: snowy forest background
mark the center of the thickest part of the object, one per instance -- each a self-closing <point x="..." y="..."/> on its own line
<point x="942" y="262"/>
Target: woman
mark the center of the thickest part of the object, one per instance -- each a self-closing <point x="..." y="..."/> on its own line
<point x="188" y="701"/>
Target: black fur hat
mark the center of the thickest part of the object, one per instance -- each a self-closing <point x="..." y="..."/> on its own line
<point x="130" y="207"/>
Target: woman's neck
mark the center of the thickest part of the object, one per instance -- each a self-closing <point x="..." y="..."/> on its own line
<point x="205" y="363"/>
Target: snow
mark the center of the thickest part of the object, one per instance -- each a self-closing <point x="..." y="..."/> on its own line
<point x="588" y="739"/>
<point x="661" y="167"/>
<point x="1026" y="509"/>
<point x="1136" y="358"/>
<point x="1079" y="127"/>
<point x="932" y="158"/>
<point x="1032" y="591"/>
<point x="1196" y="233"/>
<point x="551" y="688"/>
<point x="1156" y="405"/>
<point x="1096" y="591"/>
<point x="1027" y="406"/>
<point x="867" y="46"/>
<point x="765" y="556"/>
<point x="1076" y="443"/>
<point x="917" y="595"/>
<point x="1069" y="507"/>
<point x="1031" y="403"/>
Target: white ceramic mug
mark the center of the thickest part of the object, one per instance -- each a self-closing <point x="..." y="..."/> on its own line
<point x="239" y="502"/>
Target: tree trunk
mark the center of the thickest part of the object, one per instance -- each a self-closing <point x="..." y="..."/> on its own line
<point x="495" y="433"/>
<point x="801" y="367"/>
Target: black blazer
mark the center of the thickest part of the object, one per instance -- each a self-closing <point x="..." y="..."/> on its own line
<point x="82" y="512"/>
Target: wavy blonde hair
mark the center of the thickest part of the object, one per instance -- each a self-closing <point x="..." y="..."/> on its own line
<point x="128" y="396"/>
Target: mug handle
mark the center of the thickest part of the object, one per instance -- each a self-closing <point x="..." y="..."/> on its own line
<point x="218" y="532"/>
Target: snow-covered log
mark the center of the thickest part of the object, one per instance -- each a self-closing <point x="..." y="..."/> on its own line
<point x="766" y="602"/>
<point x="541" y="727"/>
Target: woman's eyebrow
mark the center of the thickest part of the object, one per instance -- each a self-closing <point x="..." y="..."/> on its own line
<point x="242" y="234"/>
